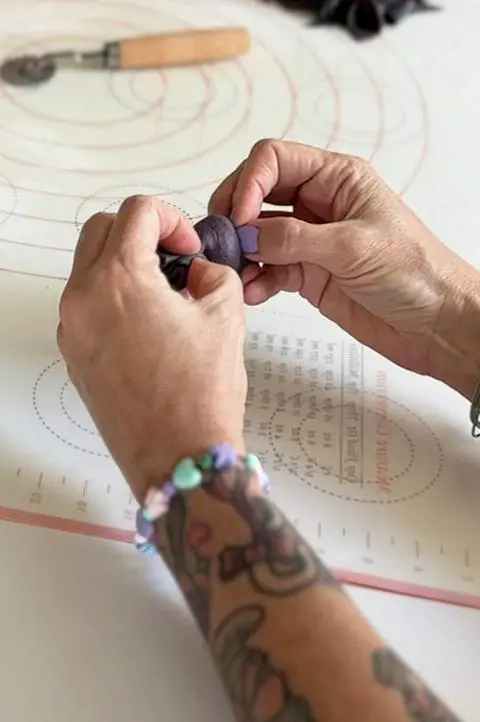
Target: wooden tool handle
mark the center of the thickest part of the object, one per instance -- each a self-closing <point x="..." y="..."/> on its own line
<point x="182" y="48"/>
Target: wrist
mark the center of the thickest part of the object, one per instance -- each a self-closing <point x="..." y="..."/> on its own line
<point x="455" y="348"/>
<point x="154" y="463"/>
<point x="220" y="468"/>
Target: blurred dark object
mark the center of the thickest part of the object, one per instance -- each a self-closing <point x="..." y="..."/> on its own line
<point x="220" y="244"/>
<point x="175" y="267"/>
<point x="362" y="18"/>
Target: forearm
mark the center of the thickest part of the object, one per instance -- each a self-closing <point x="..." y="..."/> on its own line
<point x="289" y="644"/>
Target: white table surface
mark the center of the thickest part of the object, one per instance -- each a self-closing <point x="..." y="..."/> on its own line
<point x="91" y="631"/>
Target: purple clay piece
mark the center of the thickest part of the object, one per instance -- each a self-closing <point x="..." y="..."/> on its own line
<point x="220" y="242"/>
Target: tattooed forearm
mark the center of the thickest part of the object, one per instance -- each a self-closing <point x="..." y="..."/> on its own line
<point x="276" y="559"/>
<point x="180" y="540"/>
<point x="420" y="704"/>
<point x="288" y="647"/>
<point x="259" y="692"/>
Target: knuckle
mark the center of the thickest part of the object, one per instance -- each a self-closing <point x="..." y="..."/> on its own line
<point x="110" y="279"/>
<point x="264" y="146"/>
<point x="64" y="305"/>
<point x="76" y="323"/>
<point x="94" y="222"/>
<point x="358" y="167"/>
<point x="362" y="173"/>
<point x="70" y="305"/>
<point x="356" y="181"/>
<point x="137" y="204"/>
<point x="60" y="337"/>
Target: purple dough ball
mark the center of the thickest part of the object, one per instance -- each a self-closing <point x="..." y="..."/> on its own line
<point x="220" y="242"/>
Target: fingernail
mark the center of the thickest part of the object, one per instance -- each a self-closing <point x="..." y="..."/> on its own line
<point x="248" y="237"/>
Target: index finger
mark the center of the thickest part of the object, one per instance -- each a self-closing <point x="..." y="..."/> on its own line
<point x="142" y="224"/>
<point x="273" y="173"/>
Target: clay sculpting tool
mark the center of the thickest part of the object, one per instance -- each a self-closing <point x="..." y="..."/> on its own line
<point x="185" y="47"/>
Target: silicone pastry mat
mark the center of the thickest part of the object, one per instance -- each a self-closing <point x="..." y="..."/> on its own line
<point x="374" y="465"/>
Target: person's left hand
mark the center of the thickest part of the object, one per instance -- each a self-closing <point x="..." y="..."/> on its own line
<point x="161" y="373"/>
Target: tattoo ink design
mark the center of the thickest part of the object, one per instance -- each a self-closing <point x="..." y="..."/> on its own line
<point x="259" y="692"/>
<point x="182" y="553"/>
<point x="420" y="704"/>
<point x="276" y="559"/>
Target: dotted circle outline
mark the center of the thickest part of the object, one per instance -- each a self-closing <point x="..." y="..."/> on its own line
<point x="272" y="443"/>
<point x="163" y="191"/>
<point x="47" y="426"/>
<point x="360" y="500"/>
<point x="61" y="396"/>
<point x="389" y="421"/>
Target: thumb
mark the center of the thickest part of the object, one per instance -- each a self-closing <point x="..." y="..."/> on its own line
<point x="206" y="278"/>
<point x="285" y="240"/>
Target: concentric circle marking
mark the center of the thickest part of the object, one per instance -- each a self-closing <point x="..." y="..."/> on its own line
<point x="61" y="412"/>
<point x="186" y="128"/>
<point x="8" y="198"/>
<point x="350" y="453"/>
<point x="400" y="124"/>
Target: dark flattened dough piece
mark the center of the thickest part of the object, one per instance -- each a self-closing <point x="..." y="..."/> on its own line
<point x="175" y="267"/>
<point x="220" y="243"/>
<point x="362" y="18"/>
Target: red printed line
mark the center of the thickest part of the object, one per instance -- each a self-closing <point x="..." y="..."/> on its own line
<point x="99" y="531"/>
<point x="56" y="523"/>
<point x="408" y="589"/>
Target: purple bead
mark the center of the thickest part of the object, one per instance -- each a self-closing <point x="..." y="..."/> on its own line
<point x="168" y="490"/>
<point x="144" y="528"/>
<point x="220" y="242"/>
<point x="223" y="456"/>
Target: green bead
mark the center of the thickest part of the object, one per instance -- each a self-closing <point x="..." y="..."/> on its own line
<point x="252" y="462"/>
<point x="205" y="462"/>
<point x="186" y="475"/>
<point x="148" y="515"/>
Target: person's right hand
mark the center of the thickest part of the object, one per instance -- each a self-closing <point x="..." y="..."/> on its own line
<point x="355" y="251"/>
<point x="161" y="373"/>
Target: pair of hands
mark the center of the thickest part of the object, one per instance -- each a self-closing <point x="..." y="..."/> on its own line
<point x="162" y="373"/>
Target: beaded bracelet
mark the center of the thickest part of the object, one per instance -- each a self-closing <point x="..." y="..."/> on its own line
<point x="188" y="474"/>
